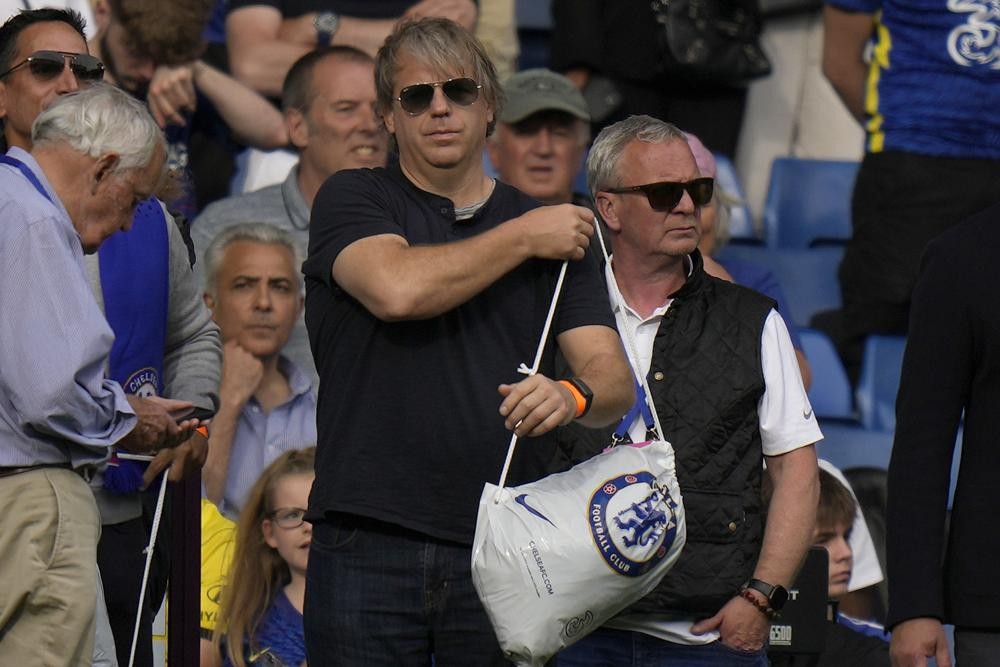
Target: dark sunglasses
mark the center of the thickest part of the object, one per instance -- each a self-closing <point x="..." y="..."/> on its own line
<point x="666" y="195"/>
<point x="47" y="65"/>
<point x="417" y="98"/>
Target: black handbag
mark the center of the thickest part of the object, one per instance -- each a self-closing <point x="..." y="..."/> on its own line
<point x="710" y="41"/>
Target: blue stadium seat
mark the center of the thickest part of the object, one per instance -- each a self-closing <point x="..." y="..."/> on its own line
<point x="847" y="446"/>
<point x="741" y="227"/>
<point x="808" y="202"/>
<point x="808" y="277"/>
<point x="830" y="393"/>
<point x="534" y="28"/>
<point x="879" y="381"/>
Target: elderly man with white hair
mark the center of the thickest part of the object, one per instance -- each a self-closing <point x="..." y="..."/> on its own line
<point x="95" y="155"/>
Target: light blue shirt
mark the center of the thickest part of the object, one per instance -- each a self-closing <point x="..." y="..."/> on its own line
<point x="56" y="406"/>
<point x="261" y="437"/>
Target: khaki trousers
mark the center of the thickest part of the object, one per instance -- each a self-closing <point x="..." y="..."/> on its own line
<point x="49" y="526"/>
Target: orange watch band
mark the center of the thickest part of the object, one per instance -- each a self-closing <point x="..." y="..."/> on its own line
<point x="581" y="401"/>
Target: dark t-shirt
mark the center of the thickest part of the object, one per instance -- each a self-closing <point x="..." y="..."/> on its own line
<point x="366" y="9"/>
<point x="408" y="421"/>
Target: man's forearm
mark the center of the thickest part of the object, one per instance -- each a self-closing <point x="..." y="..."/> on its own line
<point x="845" y="37"/>
<point x="222" y="432"/>
<point x="253" y="120"/>
<point x="365" y="34"/>
<point x="396" y="281"/>
<point x="595" y="354"/>
<point x="791" y="517"/>
<point x="192" y="356"/>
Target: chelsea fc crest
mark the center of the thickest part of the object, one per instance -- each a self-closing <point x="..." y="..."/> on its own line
<point x="142" y="383"/>
<point x="633" y="522"/>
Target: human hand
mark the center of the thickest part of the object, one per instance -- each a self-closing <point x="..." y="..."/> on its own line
<point x="157" y="427"/>
<point x="536" y="405"/>
<point x="183" y="460"/>
<point x="916" y="639"/>
<point x="462" y="12"/>
<point x="741" y="625"/>
<point x="241" y="375"/>
<point x="172" y="94"/>
<point x="558" y="232"/>
<point x="580" y="76"/>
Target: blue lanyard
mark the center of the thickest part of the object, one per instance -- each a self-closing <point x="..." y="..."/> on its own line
<point x="28" y="174"/>
<point x="639" y="408"/>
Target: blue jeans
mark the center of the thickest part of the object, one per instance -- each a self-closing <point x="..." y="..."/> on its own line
<point x="378" y="594"/>
<point x="620" y="648"/>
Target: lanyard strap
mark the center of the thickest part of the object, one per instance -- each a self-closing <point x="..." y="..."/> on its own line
<point x="639" y="408"/>
<point x="28" y="174"/>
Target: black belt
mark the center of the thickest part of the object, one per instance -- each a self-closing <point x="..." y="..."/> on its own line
<point x="8" y="471"/>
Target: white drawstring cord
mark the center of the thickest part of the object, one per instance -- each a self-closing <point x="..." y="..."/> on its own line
<point x="534" y="369"/>
<point x="149" y="561"/>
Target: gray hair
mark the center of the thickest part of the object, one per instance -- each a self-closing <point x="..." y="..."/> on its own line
<point x="606" y="153"/>
<point x="99" y="120"/>
<point x="255" y="232"/>
<point x="440" y="44"/>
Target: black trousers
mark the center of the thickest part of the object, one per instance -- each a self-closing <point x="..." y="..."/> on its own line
<point x="976" y="647"/>
<point x="121" y="560"/>
<point x="901" y="201"/>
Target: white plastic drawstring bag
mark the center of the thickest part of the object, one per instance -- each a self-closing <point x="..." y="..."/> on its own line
<point x="554" y="559"/>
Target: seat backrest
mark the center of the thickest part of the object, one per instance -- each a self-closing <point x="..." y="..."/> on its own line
<point x="830" y="393"/>
<point x="850" y="446"/>
<point x="808" y="202"/>
<point x="741" y="227"/>
<point x="533" y="14"/>
<point x="881" y="367"/>
<point x="808" y="278"/>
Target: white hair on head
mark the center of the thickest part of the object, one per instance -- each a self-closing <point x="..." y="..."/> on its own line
<point x="610" y="144"/>
<point x="255" y="232"/>
<point x="99" y="120"/>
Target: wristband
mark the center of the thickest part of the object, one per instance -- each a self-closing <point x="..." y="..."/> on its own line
<point x="761" y="607"/>
<point x="581" y="401"/>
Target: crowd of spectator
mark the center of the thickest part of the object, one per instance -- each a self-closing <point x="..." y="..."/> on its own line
<point x="334" y="355"/>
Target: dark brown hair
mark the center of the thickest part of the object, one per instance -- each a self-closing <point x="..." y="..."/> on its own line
<point x="166" y="31"/>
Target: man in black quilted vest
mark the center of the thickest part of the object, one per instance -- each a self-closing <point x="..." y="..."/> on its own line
<point x="726" y="387"/>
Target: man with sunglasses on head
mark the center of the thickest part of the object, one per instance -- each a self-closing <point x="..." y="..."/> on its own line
<point x="165" y="343"/>
<point x="727" y="389"/>
<point x="427" y="283"/>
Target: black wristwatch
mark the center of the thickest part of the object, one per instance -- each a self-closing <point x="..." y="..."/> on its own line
<point x="776" y="596"/>
<point x="326" y="24"/>
<point x="585" y="392"/>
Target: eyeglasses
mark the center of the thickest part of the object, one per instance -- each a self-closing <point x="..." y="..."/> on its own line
<point x="288" y="517"/>
<point x="417" y="98"/>
<point x="47" y="65"/>
<point x="666" y="195"/>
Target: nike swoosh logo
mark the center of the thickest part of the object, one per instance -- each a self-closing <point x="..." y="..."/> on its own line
<point x="806" y="414"/>
<point x="520" y="500"/>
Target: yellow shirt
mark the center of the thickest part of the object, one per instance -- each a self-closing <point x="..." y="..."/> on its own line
<point x="218" y="536"/>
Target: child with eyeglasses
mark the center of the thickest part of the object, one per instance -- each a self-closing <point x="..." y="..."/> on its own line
<point x="260" y="618"/>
